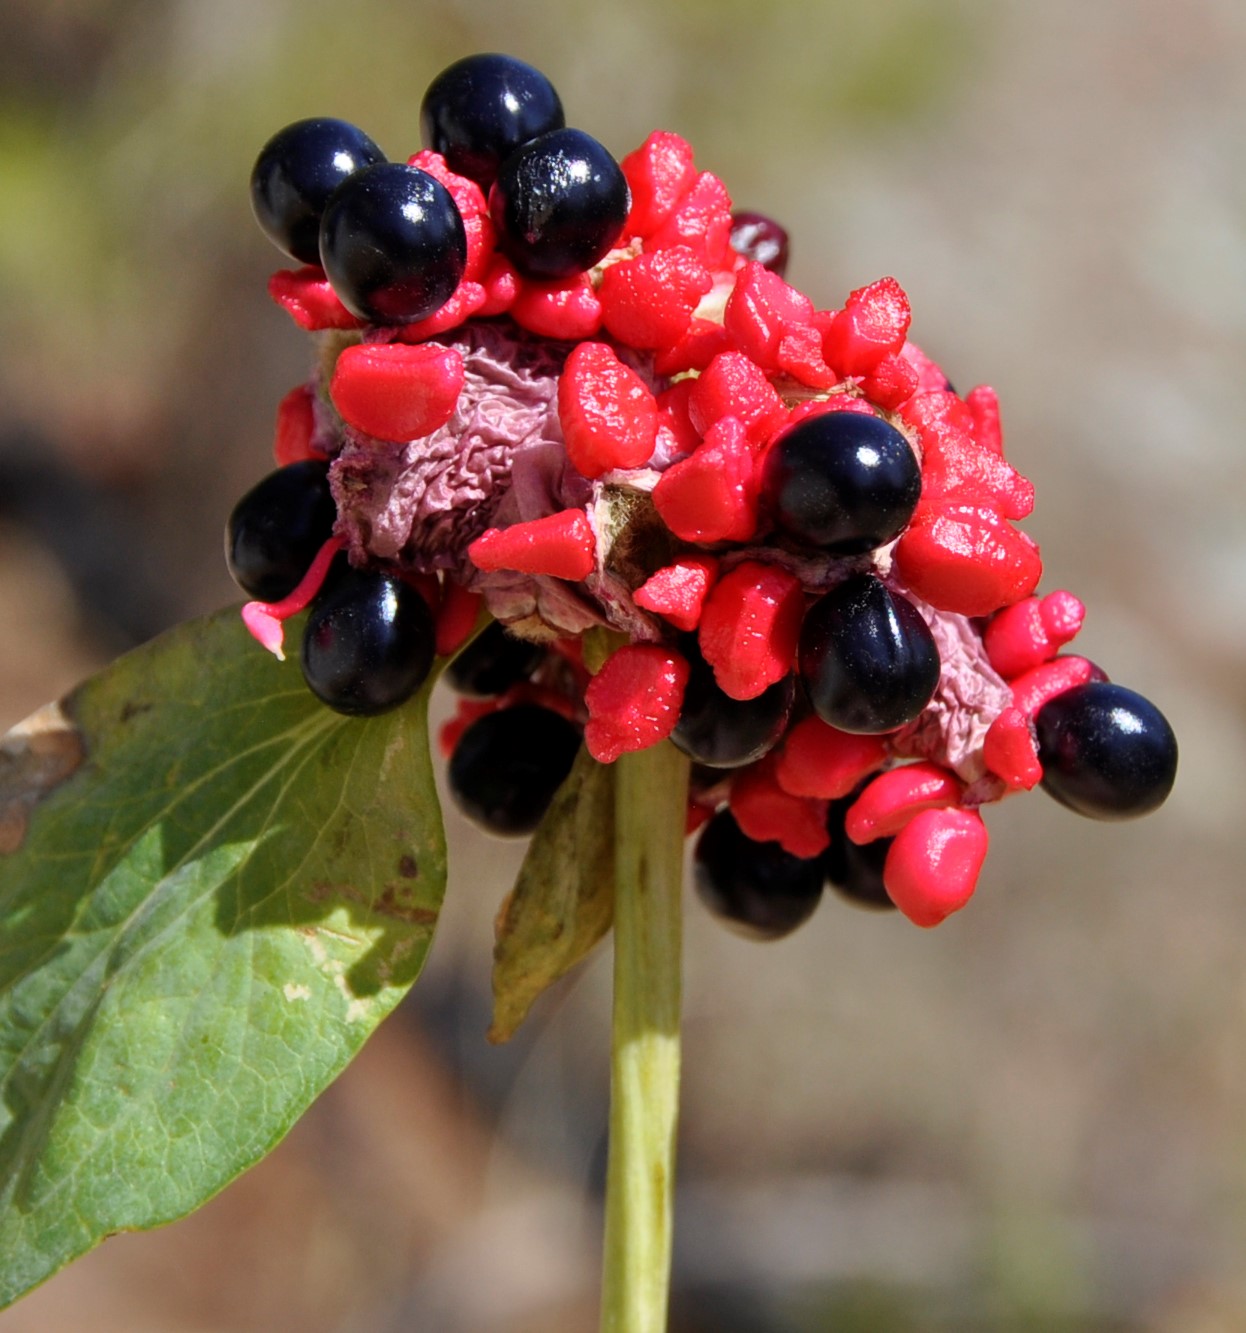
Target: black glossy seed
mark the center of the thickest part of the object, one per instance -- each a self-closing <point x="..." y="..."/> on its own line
<point x="368" y="643"/>
<point x="483" y="107"/>
<point x="867" y="658"/>
<point x="559" y="204"/>
<point x="508" y="765"/>
<point x="855" y="872"/>
<point x="755" y="888"/>
<point x="1106" y="752"/>
<point x="492" y="663"/>
<point x="296" y="172"/>
<point x="843" y="481"/>
<point x="277" y="527"/>
<point x="392" y="243"/>
<point x="721" y="732"/>
<point x="759" y="238"/>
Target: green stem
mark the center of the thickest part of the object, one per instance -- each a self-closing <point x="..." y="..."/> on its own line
<point x="644" y="1086"/>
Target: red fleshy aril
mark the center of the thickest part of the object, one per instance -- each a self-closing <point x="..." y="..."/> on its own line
<point x="713" y="494"/>
<point x="750" y="625"/>
<point x="396" y="391"/>
<point x="891" y="383"/>
<point x="932" y="868"/>
<point x="1032" y="631"/>
<point x="1010" y="751"/>
<point x="734" y="386"/>
<point x="296" y="420"/>
<point x="954" y="465"/>
<point x="456" y="617"/>
<point x="761" y="310"/>
<point x="659" y="173"/>
<point x="820" y="760"/>
<point x="568" y="310"/>
<point x="467" y="300"/>
<point x="677" y="591"/>
<point x="1032" y="689"/>
<point x="930" y="374"/>
<point x="561" y="545"/>
<point x="701" y="220"/>
<point x="647" y="302"/>
<point x="700" y="343"/>
<point x="633" y="702"/>
<point x="966" y="558"/>
<point x="872" y="324"/>
<point x="609" y="418"/>
<point x="306" y="296"/>
<point x="816" y="407"/>
<point x="766" y="812"/>
<point x="897" y="796"/>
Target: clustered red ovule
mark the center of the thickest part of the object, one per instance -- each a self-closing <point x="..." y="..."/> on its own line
<point x="682" y="363"/>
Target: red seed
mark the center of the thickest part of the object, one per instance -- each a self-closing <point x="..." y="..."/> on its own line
<point x="677" y="591"/>
<point x="501" y="283"/>
<point x="660" y="172"/>
<point x="1040" y="684"/>
<point x="394" y="391"/>
<point x="930" y="375"/>
<point x="800" y="356"/>
<point x="1010" y="752"/>
<point x="1032" y="631"/>
<point x="457" y="617"/>
<point x="467" y="300"/>
<point x="820" y="760"/>
<point x="966" y="558"/>
<point x="761" y="310"/>
<point x="306" y="296"/>
<point x="713" y="494"/>
<point x="733" y="386"/>
<point x="701" y="220"/>
<point x="891" y="383"/>
<point x="674" y="423"/>
<point x="932" y="867"/>
<point x="295" y="422"/>
<point x="609" y="418"/>
<point x="749" y="627"/>
<point x="895" y="797"/>
<point x="568" y="310"/>
<point x="634" y="700"/>
<point x="700" y="344"/>
<point x="766" y="812"/>
<point x="561" y="545"/>
<point x="871" y="325"/>
<point x="648" y="301"/>
<point x="984" y="406"/>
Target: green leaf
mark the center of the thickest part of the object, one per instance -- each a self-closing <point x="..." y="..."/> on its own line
<point x="212" y="889"/>
<point x="563" y="900"/>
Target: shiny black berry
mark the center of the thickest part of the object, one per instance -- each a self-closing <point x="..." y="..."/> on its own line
<point x="508" y="765"/>
<point x="392" y="243"/>
<point x="867" y="658"/>
<point x="559" y="204"/>
<point x="492" y="663"/>
<point x="842" y="481"/>
<point x="759" y="238"/>
<point x="1106" y="752"/>
<point x="755" y="888"/>
<point x="277" y="527"/>
<point x="721" y="732"/>
<point x="296" y="172"/>
<point x="855" y="872"/>
<point x="480" y="109"/>
<point x="368" y="643"/>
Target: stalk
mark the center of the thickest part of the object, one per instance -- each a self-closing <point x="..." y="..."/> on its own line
<point x="644" y="1071"/>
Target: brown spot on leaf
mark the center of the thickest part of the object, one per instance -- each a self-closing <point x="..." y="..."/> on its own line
<point x="392" y="903"/>
<point x="134" y="708"/>
<point x="35" y="757"/>
<point x="409" y="867"/>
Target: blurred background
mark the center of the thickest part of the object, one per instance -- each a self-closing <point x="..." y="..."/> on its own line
<point x="1033" y="1118"/>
